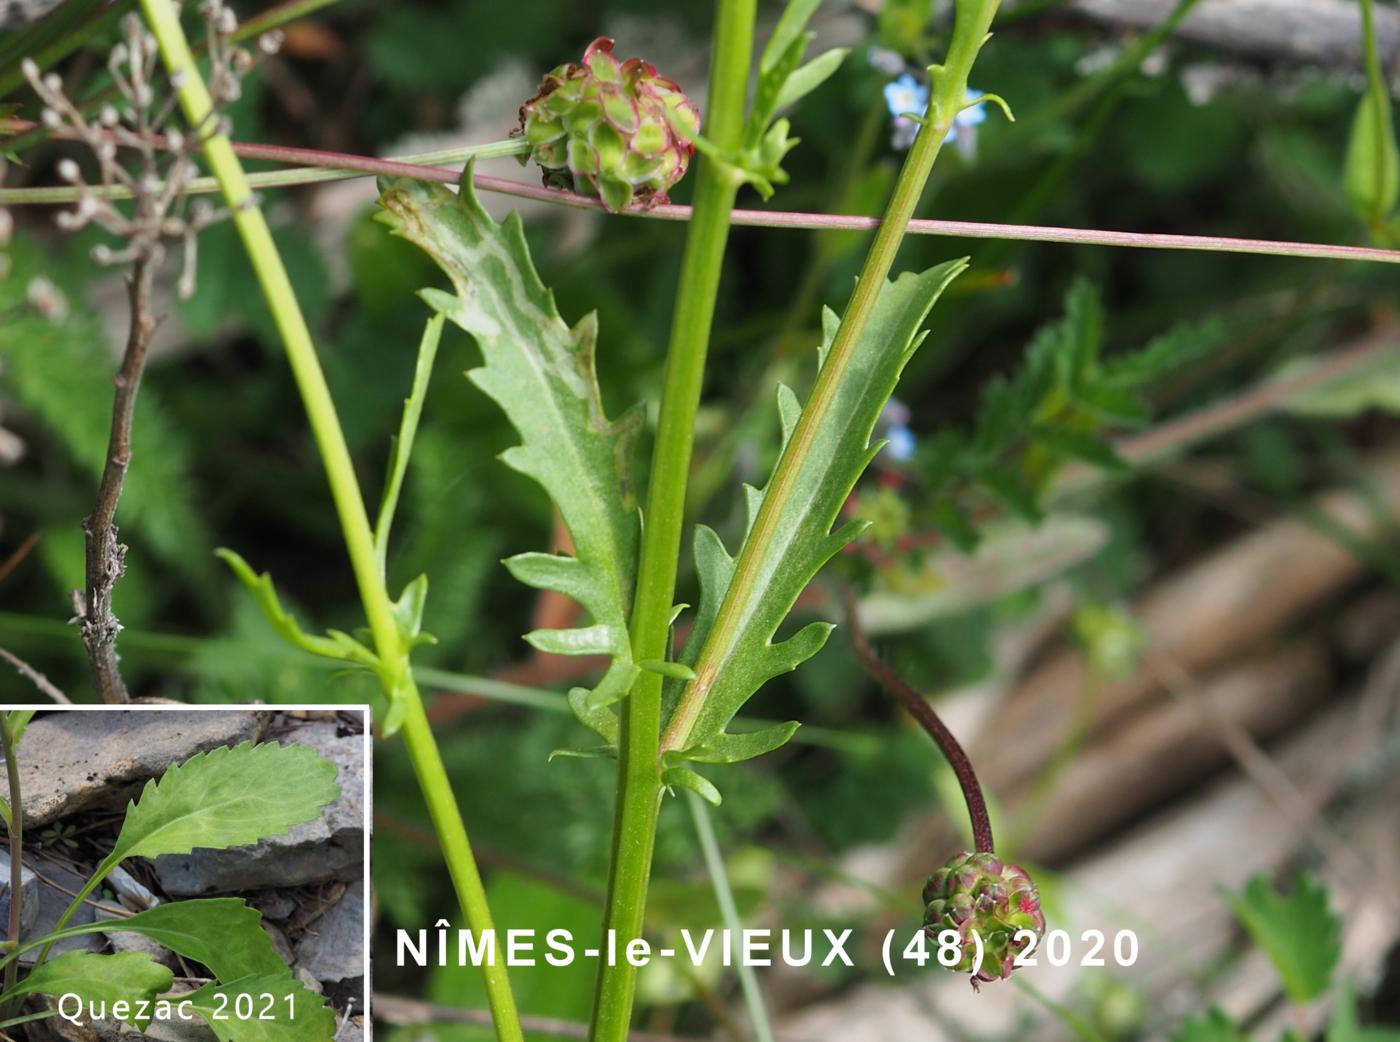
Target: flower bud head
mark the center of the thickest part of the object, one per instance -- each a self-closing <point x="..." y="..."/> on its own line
<point x="618" y="130"/>
<point x="979" y="892"/>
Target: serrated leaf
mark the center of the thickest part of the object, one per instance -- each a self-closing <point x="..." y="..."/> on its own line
<point x="734" y="748"/>
<point x="731" y="647"/>
<point x="1110" y="403"/>
<point x="541" y="373"/>
<point x="1083" y="334"/>
<point x="307" y="1020"/>
<point x="601" y="720"/>
<point x="1010" y="486"/>
<point x="222" y="933"/>
<point x="1079" y="445"/>
<point x="1165" y="354"/>
<point x="335" y="645"/>
<point x="1214" y="1026"/>
<point x="684" y="778"/>
<point x="226" y="797"/>
<point x="1298" y="931"/>
<point x="17" y="722"/>
<point x="129" y="977"/>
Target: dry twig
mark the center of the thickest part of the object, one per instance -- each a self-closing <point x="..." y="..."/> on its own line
<point x="159" y="213"/>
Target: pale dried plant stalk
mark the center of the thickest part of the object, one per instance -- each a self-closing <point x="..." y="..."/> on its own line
<point x="137" y="145"/>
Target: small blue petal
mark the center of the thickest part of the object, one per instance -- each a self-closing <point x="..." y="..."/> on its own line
<point x="901" y="444"/>
<point x="970" y="117"/>
<point x="906" y="94"/>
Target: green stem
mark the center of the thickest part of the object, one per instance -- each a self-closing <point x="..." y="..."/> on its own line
<point x="403" y="444"/>
<point x="276" y="17"/>
<point x="395" y="676"/>
<point x="729" y="911"/>
<point x="456" y="849"/>
<point x="949" y="92"/>
<point x="16" y="848"/>
<point x="639" y="776"/>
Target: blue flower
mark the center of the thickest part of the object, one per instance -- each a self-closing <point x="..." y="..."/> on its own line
<point x="971" y="117"/>
<point x="906" y="94"/>
<point x="901" y="444"/>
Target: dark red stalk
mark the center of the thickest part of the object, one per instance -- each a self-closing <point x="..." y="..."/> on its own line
<point x="917" y="706"/>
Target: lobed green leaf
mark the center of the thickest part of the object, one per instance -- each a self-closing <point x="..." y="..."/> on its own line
<point x="731" y="647"/>
<point x="541" y="373"/>
<point x="129" y="977"/>
<point x="222" y="933"/>
<point x="294" y="1014"/>
<point x="226" y="797"/>
<point x="1299" y="932"/>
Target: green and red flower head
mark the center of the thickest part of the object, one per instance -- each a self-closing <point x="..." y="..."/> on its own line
<point x="617" y="130"/>
<point x="980" y="892"/>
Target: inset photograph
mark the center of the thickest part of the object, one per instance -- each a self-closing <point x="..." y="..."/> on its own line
<point x="187" y="874"/>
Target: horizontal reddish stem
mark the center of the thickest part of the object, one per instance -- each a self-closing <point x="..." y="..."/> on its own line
<point x="293" y="156"/>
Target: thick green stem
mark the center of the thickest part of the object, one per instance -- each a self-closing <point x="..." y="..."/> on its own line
<point x="948" y="97"/>
<point x="639" y="770"/>
<point x="164" y="22"/>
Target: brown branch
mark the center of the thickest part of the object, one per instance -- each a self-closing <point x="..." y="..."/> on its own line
<point x="43" y="683"/>
<point x="917" y="706"/>
<point x="15" y="559"/>
<point x="105" y="555"/>
<point x="404" y="1012"/>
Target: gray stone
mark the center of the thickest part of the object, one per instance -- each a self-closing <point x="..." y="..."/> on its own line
<point x="76" y="759"/>
<point x="57" y="887"/>
<point x="29" y="896"/>
<point x="330" y="847"/>
<point x="273" y="904"/>
<point x="332" y="949"/>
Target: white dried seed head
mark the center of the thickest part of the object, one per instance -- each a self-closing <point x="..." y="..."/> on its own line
<point x="271" y="42"/>
<point x="68" y="171"/>
<point x="177" y="79"/>
<point x="51" y="119"/>
<point x="54" y="82"/>
<point x="175" y="140"/>
<point x="106" y="151"/>
<point x="240" y="60"/>
<point x="144" y="95"/>
<point x="228" y="22"/>
<point x="47" y="299"/>
<point x="102" y="253"/>
<point x="30" y="69"/>
<point x="119" y="54"/>
<point x="108" y="116"/>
